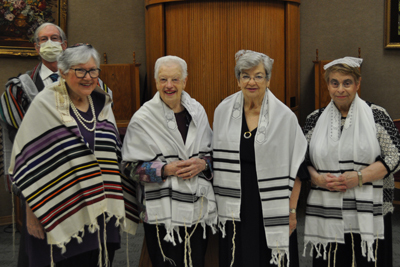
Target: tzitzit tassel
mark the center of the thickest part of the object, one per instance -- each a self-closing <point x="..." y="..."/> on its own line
<point x="106" y="259"/>
<point x="352" y="247"/>
<point x="279" y="254"/>
<point x="376" y="250"/>
<point x="187" y="237"/>
<point x="329" y="255"/>
<point x="13" y="220"/>
<point x="233" y="241"/>
<point x="334" y="258"/>
<point x="100" y="261"/>
<point x="127" y="250"/>
<point x="51" y="256"/>
<point x="186" y="240"/>
<point x="171" y="261"/>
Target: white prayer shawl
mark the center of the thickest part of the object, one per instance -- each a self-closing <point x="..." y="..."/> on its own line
<point x="153" y="135"/>
<point x="359" y="210"/>
<point x="280" y="148"/>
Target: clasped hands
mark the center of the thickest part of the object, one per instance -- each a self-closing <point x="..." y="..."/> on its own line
<point x="340" y="183"/>
<point x="185" y="169"/>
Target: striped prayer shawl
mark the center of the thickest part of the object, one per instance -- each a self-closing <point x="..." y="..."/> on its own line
<point x="330" y="215"/>
<point x="66" y="185"/>
<point x="14" y="103"/>
<point x="153" y="135"/>
<point x="280" y="148"/>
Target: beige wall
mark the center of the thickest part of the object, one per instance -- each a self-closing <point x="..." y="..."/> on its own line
<point x="336" y="27"/>
<point x="115" y="27"/>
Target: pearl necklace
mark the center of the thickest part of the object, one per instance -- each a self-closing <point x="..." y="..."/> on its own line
<point x="82" y="119"/>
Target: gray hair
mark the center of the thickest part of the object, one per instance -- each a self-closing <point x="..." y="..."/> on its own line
<point x="76" y="55"/>
<point x="162" y="61"/>
<point x="44" y="25"/>
<point x="247" y="59"/>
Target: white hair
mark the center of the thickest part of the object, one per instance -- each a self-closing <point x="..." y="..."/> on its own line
<point x="162" y="61"/>
<point x="247" y="59"/>
<point x="76" y="55"/>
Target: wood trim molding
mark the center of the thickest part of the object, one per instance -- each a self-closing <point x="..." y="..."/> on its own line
<point x="5" y="220"/>
<point x="153" y="2"/>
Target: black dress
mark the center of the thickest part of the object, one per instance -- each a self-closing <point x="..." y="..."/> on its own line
<point x="250" y="242"/>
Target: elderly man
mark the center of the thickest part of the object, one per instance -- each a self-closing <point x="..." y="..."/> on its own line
<point x="167" y="150"/>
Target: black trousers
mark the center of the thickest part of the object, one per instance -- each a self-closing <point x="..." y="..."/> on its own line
<point x="197" y="243"/>
<point x="87" y="259"/>
<point x="344" y="256"/>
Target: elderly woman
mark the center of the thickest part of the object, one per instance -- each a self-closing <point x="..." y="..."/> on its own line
<point x="353" y="151"/>
<point x="65" y="162"/>
<point x="258" y="148"/>
<point x="167" y="150"/>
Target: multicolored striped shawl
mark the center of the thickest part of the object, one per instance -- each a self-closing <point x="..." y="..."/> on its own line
<point x="66" y="185"/>
<point x="15" y="101"/>
<point x="153" y="135"/>
<point x="280" y="147"/>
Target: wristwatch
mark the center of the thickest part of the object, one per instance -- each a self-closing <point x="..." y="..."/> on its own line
<point x="292" y="211"/>
<point x="360" y="180"/>
<point x="207" y="167"/>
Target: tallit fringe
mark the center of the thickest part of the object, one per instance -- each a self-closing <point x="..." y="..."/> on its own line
<point x="106" y="259"/>
<point x="171" y="261"/>
<point x="187" y="237"/>
<point x="221" y="226"/>
<point x="51" y="256"/>
<point x="277" y="257"/>
<point x="79" y="235"/>
<point x="367" y="250"/>
<point x="100" y="260"/>
<point x="233" y="241"/>
<point x="127" y="250"/>
<point x="13" y="220"/>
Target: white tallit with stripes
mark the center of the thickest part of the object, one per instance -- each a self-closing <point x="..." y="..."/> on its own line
<point x="359" y="210"/>
<point x="280" y="147"/>
<point x="153" y="135"/>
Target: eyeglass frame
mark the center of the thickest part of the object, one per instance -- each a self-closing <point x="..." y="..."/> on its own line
<point x="39" y="41"/>
<point x="252" y="78"/>
<point x="86" y="72"/>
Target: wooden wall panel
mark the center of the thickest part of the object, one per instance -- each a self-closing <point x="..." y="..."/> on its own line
<point x="155" y="40"/>
<point x="292" y="31"/>
<point x="208" y="34"/>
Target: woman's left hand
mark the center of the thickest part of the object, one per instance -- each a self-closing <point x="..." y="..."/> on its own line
<point x="190" y="168"/>
<point x="292" y="223"/>
<point x="349" y="179"/>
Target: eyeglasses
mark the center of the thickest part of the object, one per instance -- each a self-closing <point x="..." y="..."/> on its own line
<point x="257" y="78"/>
<point x="81" y="73"/>
<point x="54" y="38"/>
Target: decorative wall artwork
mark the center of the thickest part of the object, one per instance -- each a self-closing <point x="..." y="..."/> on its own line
<point x="19" y="20"/>
<point x="392" y="24"/>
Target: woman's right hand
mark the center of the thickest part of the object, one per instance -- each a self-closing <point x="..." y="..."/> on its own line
<point x="330" y="182"/>
<point x="35" y="228"/>
<point x="170" y="169"/>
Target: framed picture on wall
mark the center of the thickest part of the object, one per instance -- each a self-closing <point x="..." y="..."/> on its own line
<point x="19" y="20"/>
<point x="392" y="24"/>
